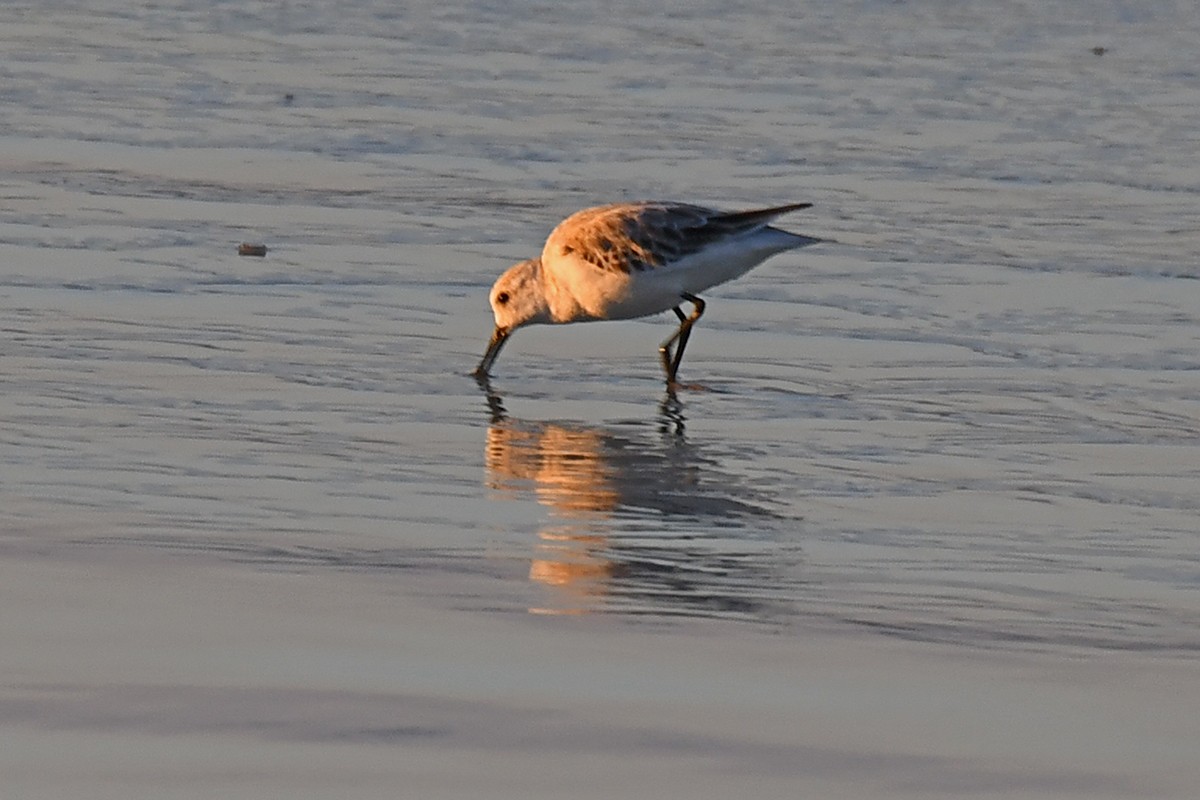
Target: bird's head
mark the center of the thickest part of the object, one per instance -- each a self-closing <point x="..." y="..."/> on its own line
<point x="518" y="298"/>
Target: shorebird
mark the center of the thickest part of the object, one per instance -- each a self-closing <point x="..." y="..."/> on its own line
<point x="629" y="260"/>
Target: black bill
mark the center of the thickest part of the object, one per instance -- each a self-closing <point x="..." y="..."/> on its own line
<point x="499" y="337"/>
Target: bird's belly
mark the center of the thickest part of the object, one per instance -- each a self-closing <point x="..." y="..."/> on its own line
<point x="656" y="290"/>
<point x="646" y="293"/>
<point x="583" y="292"/>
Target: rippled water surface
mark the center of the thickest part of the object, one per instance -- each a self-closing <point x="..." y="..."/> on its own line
<point x="930" y="529"/>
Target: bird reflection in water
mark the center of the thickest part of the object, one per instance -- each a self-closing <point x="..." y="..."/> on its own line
<point x="640" y="521"/>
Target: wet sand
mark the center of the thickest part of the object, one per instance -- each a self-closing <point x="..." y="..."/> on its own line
<point x="152" y="677"/>
<point x="930" y="530"/>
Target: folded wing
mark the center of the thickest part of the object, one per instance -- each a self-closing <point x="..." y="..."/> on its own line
<point x="634" y="237"/>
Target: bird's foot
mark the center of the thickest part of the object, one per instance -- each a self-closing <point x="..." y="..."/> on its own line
<point x="676" y="386"/>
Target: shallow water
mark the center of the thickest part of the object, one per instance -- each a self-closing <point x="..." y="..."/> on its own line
<point x="929" y="529"/>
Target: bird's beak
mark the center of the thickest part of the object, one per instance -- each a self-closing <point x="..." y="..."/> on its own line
<point x="499" y="337"/>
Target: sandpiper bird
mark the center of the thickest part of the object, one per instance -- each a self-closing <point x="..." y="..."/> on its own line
<point x="630" y="260"/>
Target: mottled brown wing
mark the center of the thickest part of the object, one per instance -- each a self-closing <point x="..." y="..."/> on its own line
<point x="634" y="237"/>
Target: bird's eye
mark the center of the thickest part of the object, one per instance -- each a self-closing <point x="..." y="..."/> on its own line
<point x="502" y="298"/>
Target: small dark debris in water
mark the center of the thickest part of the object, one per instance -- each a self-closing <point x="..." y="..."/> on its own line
<point x="288" y="98"/>
<point x="1099" y="51"/>
<point x="259" y="250"/>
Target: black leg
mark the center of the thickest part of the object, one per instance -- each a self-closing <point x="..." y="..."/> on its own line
<point x="687" y="329"/>
<point x="664" y="349"/>
<point x="671" y="362"/>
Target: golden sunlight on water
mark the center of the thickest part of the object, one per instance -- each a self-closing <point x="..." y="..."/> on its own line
<point x="571" y="477"/>
<point x="566" y="465"/>
<point x="629" y="518"/>
<point x="932" y="534"/>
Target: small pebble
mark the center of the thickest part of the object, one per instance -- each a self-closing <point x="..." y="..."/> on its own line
<point x="252" y="250"/>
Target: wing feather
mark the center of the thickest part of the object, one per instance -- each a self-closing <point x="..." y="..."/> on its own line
<point x="634" y="237"/>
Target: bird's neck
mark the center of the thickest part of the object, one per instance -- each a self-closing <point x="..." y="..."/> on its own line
<point x="561" y="304"/>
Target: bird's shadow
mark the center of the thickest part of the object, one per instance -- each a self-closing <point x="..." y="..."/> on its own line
<point x="636" y="514"/>
<point x="495" y="402"/>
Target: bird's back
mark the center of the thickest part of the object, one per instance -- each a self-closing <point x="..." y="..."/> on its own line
<point x="661" y="248"/>
<point x="634" y="237"/>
